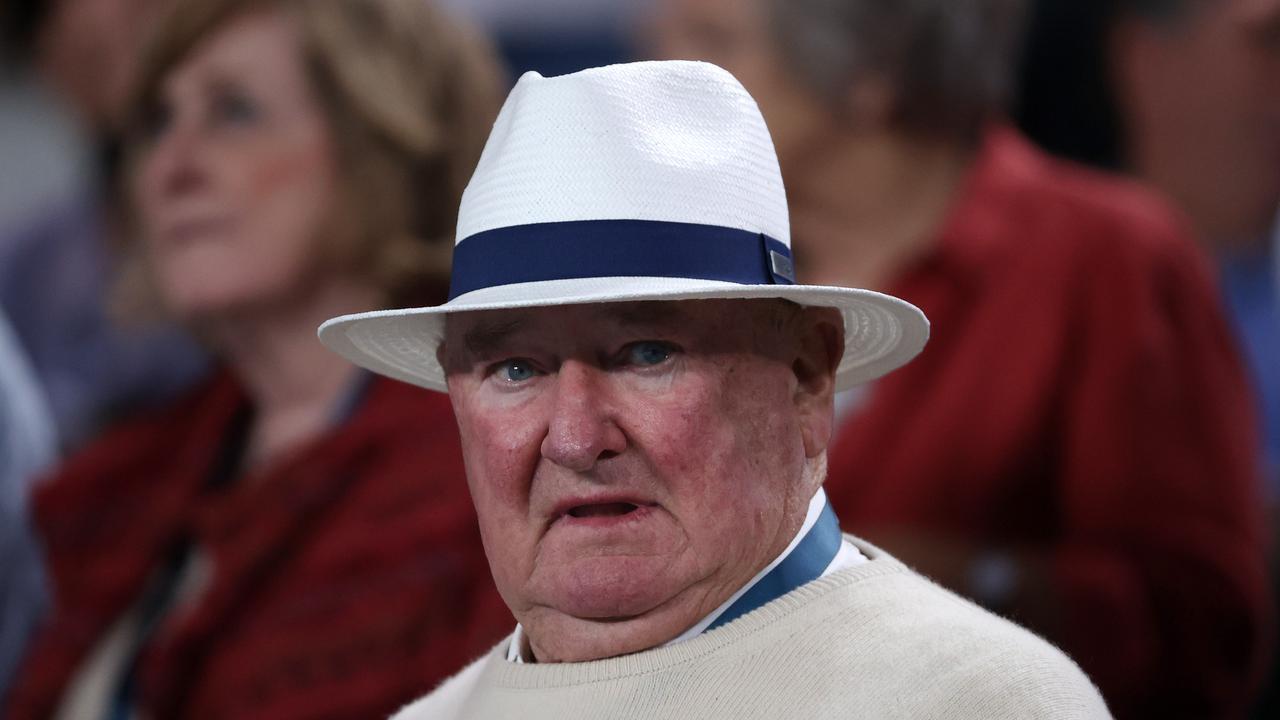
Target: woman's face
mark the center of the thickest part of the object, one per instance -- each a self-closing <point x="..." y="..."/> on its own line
<point x="236" y="175"/>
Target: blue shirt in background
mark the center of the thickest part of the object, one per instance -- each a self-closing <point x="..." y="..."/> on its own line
<point x="27" y="446"/>
<point x="1251" y="286"/>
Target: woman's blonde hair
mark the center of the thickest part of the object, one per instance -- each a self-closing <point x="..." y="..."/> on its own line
<point x="409" y="95"/>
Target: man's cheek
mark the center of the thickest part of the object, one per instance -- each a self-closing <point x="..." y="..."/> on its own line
<point x="690" y="446"/>
<point x="509" y="437"/>
<point x="681" y="403"/>
<point x="502" y="479"/>
<point x="500" y="460"/>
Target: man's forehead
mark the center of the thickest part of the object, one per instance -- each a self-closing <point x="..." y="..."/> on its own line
<point x="484" y="330"/>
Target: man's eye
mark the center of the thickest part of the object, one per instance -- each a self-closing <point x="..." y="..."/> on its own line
<point x="648" y="353"/>
<point x="514" y="370"/>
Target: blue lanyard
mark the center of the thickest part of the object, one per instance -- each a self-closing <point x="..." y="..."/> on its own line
<point x="805" y="564"/>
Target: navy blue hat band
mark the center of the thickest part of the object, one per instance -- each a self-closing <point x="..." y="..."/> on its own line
<point x="618" y="248"/>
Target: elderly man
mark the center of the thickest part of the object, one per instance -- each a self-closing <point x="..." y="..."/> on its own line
<point x="645" y="401"/>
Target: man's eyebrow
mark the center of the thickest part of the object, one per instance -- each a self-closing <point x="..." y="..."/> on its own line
<point x="487" y="337"/>
<point x="645" y="313"/>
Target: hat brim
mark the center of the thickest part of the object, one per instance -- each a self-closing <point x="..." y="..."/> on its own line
<point x="882" y="333"/>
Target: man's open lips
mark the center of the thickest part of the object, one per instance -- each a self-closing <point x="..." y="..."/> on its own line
<point x="601" y="512"/>
<point x="611" y="509"/>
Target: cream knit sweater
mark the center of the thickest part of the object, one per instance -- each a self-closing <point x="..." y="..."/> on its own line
<point x="872" y="641"/>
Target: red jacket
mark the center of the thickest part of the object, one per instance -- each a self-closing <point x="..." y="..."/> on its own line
<point x="348" y="578"/>
<point x="1080" y="395"/>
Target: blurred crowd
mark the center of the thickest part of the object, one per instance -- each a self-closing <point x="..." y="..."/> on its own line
<point x="203" y="513"/>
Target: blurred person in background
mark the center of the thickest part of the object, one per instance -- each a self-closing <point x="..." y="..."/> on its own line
<point x="26" y="448"/>
<point x="62" y="78"/>
<point x="293" y="539"/>
<point x="1184" y="94"/>
<point x="1097" y="480"/>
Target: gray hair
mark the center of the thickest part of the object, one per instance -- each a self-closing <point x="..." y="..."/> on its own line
<point x="949" y="63"/>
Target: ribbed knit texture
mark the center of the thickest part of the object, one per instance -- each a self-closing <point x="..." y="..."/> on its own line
<point x="872" y="641"/>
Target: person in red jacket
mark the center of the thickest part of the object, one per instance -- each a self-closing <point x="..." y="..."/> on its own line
<point x="1076" y="446"/>
<point x="293" y="539"/>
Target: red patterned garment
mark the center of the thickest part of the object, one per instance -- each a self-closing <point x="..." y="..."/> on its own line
<point x="346" y="579"/>
<point x="1081" y="398"/>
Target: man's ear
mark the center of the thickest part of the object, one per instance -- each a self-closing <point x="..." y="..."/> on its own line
<point x="819" y="349"/>
<point x="442" y="357"/>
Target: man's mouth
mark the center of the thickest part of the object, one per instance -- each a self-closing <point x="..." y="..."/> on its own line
<point x="612" y="509"/>
<point x="603" y="511"/>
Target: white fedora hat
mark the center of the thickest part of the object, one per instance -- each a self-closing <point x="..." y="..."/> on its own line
<point x="644" y="181"/>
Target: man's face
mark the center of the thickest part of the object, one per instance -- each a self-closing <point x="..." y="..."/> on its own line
<point x="633" y="464"/>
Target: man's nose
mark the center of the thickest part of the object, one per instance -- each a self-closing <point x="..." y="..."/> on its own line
<point x="581" y="430"/>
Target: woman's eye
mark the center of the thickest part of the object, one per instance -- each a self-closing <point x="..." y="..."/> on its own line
<point x="235" y="109"/>
<point x="152" y="123"/>
<point x="514" y="371"/>
<point x="647" y="354"/>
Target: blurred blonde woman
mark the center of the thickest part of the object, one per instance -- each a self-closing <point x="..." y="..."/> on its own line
<point x="293" y="539"/>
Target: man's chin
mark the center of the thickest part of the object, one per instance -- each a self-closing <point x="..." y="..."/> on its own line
<point x="595" y="632"/>
<point x="610" y="592"/>
<point x="614" y="589"/>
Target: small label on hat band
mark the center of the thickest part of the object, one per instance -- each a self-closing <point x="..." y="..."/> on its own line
<point x="782" y="266"/>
